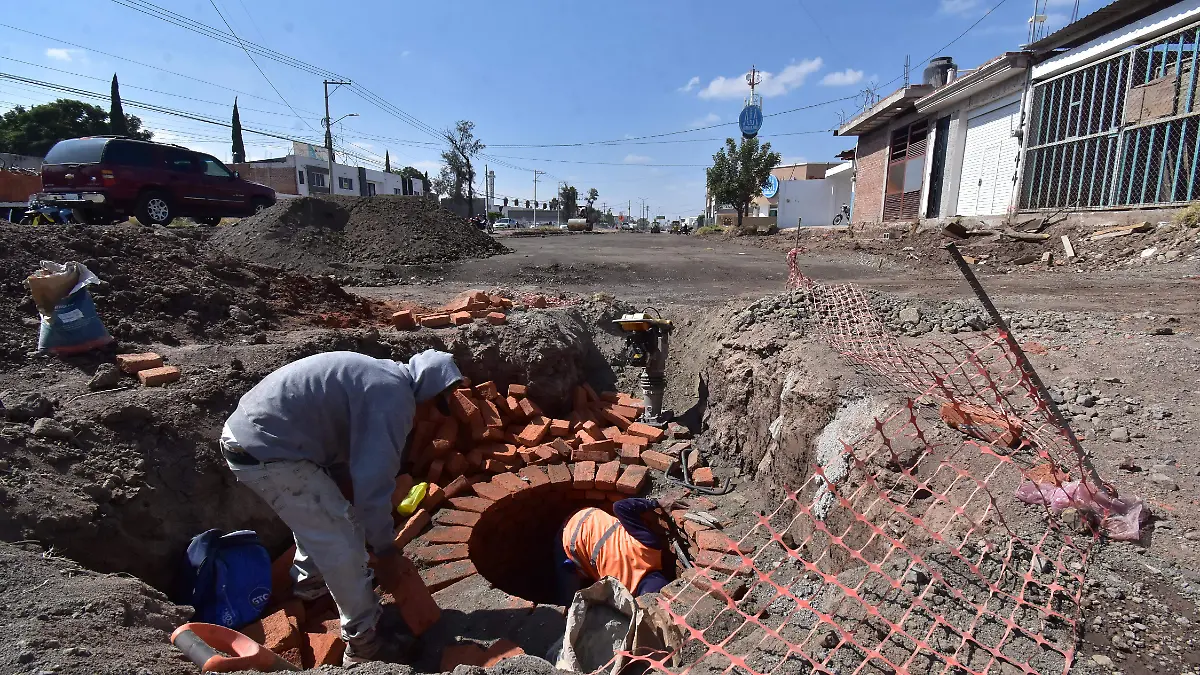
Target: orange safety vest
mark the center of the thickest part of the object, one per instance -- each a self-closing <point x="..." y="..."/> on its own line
<point x="600" y="547"/>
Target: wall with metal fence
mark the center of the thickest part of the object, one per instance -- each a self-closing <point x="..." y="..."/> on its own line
<point x="1121" y="132"/>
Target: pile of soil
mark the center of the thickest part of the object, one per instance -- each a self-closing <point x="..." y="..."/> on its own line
<point x="161" y="285"/>
<point x="362" y="236"/>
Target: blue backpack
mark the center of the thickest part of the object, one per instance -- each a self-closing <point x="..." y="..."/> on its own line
<point x="227" y="577"/>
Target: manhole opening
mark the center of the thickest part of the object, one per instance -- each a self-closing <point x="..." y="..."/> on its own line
<point x="515" y="543"/>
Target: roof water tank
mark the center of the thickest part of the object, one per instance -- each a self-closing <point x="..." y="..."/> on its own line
<point x="940" y="71"/>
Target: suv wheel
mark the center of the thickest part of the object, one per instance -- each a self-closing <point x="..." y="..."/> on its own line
<point x="154" y="208"/>
<point x="260" y="204"/>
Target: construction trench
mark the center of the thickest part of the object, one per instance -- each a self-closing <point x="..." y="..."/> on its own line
<point x="863" y="533"/>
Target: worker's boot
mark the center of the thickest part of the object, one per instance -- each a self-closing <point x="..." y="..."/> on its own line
<point x="379" y="645"/>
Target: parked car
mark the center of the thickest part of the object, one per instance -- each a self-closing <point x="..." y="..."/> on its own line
<point x="108" y="178"/>
<point x="504" y="223"/>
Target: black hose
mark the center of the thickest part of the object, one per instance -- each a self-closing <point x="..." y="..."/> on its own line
<point x="687" y="481"/>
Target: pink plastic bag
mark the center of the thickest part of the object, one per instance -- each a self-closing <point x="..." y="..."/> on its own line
<point x="1121" y="517"/>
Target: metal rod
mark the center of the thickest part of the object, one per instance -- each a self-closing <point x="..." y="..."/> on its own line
<point x="1027" y="368"/>
<point x="1137" y="146"/>
<point x="1189" y="102"/>
<point x="1149" y="162"/>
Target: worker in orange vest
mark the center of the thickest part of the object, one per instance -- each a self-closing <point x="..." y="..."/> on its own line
<point x="597" y="545"/>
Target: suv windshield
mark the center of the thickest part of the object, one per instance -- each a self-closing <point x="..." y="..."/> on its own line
<point x="212" y="167"/>
<point x="76" y="151"/>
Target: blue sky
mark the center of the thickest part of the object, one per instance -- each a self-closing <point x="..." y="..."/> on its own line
<point x="526" y="72"/>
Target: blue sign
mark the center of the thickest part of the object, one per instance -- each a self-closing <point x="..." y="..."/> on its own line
<point x="771" y="187"/>
<point x="750" y="120"/>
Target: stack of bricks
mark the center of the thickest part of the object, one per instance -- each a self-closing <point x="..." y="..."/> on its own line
<point x="714" y="551"/>
<point x="462" y="310"/>
<point x="149" y="368"/>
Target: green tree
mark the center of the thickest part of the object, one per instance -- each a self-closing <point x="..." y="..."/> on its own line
<point x="463" y="148"/>
<point x="410" y="173"/>
<point x="739" y="172"/>
<point x="568" y="196"/>
<point x="239" y="147"/>
<point x="700" y="221"/>
<point x="33" y="131"/>
<point x="387" y="162"/>
<point x="116" y="116"/>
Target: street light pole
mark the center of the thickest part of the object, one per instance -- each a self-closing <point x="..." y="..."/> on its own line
<point x="536" y="173"/>
<point x="329" y="130"/>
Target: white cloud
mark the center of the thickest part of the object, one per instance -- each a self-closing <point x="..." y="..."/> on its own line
<point x="61" y="54"/>
<point x="842" y="78"/>
<point x="692" y="84"/>
<point x="404" y="54"/>
<point x="960" y="6"/>
<point x="430" y="166"/>
<point x="707" y="120"/>
<point x="788" y="79"/>
<point x="636" y="159"/>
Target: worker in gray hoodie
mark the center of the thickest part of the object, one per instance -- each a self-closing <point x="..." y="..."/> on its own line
<point x="346" y="413"/>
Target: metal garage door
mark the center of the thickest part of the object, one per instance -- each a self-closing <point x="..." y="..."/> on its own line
<point x="990" y="160"/>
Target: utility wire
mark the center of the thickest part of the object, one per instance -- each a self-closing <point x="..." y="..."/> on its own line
<point x="260" y="70"/>
<point x="144" y="65"/>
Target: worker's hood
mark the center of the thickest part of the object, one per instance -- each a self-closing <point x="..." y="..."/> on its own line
<point x="432" y="372"/>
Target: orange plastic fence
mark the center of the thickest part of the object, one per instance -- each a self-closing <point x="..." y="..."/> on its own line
<point x="914" y="556"/>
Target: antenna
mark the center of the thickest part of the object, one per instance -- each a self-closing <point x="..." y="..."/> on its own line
<point x="907" y="67"/>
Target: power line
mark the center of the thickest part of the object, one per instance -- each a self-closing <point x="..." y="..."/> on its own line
<point x="144" y="65"/>
<point x="946" y="46"/>
<point x="260" y="70"/>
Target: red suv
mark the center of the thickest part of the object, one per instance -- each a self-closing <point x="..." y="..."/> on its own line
<point x="109" y="178"/>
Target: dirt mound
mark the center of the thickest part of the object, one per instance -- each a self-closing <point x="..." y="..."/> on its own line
<point x="62" y="618"/>
<point x="159" y="285"/>
<point x="362" y="236"/>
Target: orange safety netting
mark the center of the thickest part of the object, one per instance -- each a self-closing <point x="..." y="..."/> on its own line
<point x="914" y="556"/>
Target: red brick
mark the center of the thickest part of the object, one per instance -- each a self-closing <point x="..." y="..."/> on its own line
<point x="413" y="527"/>
<point x="560" y="428"/>
<point x="437" y="578"/>
<point x="506" y="303"/>
<point x="546" y="455"/>
<point x="326" y="649"/>
<point x="156" y="377"/>
<point x="454" y="517"/>
<point x="691" y="528"/>
<point x="610" y="396"/>
<point x="630" y="454"/>
<point x="560" y="446"/>
<point x="434" y="496"/>
<point x="404" y="483"/>
<point x="718" y="562"/>
<point x="281" y="578"/>
<point x="465" y="654"/>
<point x="436" y="467"/>
<point x="598" y="451"/>
<point x="464" y="408"/>
<point x="517" y="390"/>
<point x="500" y="650"/>
<point x="528" y="409"/>
<point x="510" y="482"/>
<point x="630" y="414"/>
<point x="580" y="399"/>
<point x="132" y="363"/>
<point x="277" y="631"/>
<point x="559" y="474"/>
<point x="435" y="320"/>
<point x="441" y="552"/>
<point x="457" y="487"/>
<point x="404" y="320"/>
<point x="593" y="397"/>
<point x="712" y="540"/>
<point x="640" y="441"/>
<point x="534" y="476"/>
<point x="457" y="464"/>
<point x="460" y="318"/>
<point x="533" y="434"/>
<point x="473" y="504"/>
<point x="622" y="423"/>
<point x="607" y="474"/>
<point x="489" y="491"/>
<point x="657" y="460"/>
<point x="528" y="455"/>
<point x="446" y="436"/>
<point x="497" y="318"/>
<point x="633" y="480"/>
<point x="447" y="535"/>
<point x="584" y="475"/>
<point x="487" y="390"/>
<point x="704" y="477"/>
<point x="692" y="459"/>
<point x="416" y="604"/>
<point x="494" y="466"/>
<point x="645" y="430"/>
<point x="586" y="435"/>
<point x="611" y="433"/>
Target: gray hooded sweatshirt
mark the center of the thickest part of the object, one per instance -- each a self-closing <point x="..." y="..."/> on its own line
<point x="344" y="408"/>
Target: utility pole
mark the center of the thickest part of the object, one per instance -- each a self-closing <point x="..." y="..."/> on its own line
<point x="329" y="129"/>
<point x="535" y="174"/>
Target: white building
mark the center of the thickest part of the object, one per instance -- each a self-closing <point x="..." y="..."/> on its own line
<point x="305" y="172"/>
